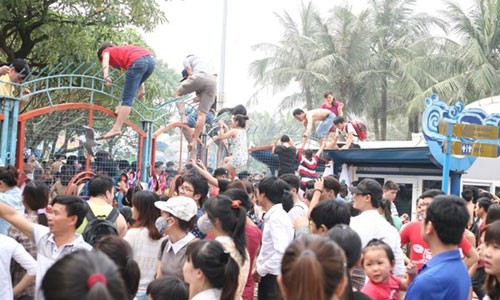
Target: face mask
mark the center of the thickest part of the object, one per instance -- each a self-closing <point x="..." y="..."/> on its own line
<point x="204" y="224"/>
<point x="161" y="224"/>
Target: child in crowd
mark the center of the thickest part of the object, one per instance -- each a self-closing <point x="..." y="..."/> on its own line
<point x="378" y="262"/>
<point x="168" y="288"/>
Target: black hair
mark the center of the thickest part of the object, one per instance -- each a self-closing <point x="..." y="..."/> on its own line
<point x="338" y="120"/>
<point x="327" y="93"/>
<point x="292" y="180"/>
<point x="432" y="193"/>
<point x="144" y="204"/>
<point x="390" y="185"/>
<point x="74" y="205"/>
<point x="168" y="288"/>
<point x="385" y="205"/>
<point x="330" y="213"/>
<point x="241" y="120"/>
<point x="237" y="110"/>
<point x="468" y="195"/>
<point x="350" y="242"/>
<point x="285" y="138"/>
<point x="449" y="217"/>
<point x="331" y="183"/>
<point x="287" y="201"/>
<point x="232" y="217"/>
<point x="239" y="194"/>
<point x="20" y="66"/>
<point x="297" y="112"/>
<point x="493" y="214"/>
<point x="308" y="153"/>
<point x="120" y="252"/>
<point x="200" y="186"/>
<point x="9" y="175"/>
<point x="102" y="48"/>
<point x="484" y="203"/>
<point x="99" y="185"/>
<point x="378" y="243"/>
<point x="69" y="278"/>
<point x="273" y="188"/>
<point x="35" y="197"/>
<point x="492" y="237"/>
<point x="219" y="268"/>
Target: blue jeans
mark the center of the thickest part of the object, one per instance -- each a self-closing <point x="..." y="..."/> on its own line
<point x="192" y="116"/>
<point x="136" y="74"/>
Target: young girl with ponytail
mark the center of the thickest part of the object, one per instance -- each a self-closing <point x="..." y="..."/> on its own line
<point x="225" y="219"/>
<point x="210" y="271"/>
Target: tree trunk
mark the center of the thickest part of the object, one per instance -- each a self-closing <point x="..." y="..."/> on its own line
<point x="309" y="98"/>
<point x="383" y="109"/>
<point x="376" y="129"/>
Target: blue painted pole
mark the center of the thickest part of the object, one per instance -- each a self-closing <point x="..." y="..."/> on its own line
<point x="13" y="133"/>
<point x="446" y="162"/>
<point x="455" y="184"/>
<point x="147" y="147"/>
<point x="5" y="130"/>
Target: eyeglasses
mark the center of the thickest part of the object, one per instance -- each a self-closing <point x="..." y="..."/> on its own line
<point x="185" y="189"/>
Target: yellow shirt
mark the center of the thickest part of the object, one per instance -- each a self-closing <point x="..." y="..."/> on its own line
<point x="6" y="87"/>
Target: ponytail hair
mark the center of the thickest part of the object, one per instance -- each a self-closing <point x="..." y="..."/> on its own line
<point x="9" y="175"/>
<point x="232" y="217"/>
<point x="237" y="110"/>
<point x="241" y="120"/>
<point x="312" y="268"/>
<point x="120" y="252"/>
<point x="219" y="268"/>
<point x="36" y="198"/>
<point x="83" y="275"/>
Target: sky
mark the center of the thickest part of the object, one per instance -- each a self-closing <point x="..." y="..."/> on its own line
<point x="195" y="27"/>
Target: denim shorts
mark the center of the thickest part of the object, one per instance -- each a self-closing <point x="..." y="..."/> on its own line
<point x="325" y="126"/>
<point x="192" y="116"/>
<point x="136" y="74"/>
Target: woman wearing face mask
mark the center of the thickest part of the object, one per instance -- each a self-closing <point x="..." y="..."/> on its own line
<point x="225" y="219"/>
<point x="144" y="238"/>
<point x="178" y="216"/>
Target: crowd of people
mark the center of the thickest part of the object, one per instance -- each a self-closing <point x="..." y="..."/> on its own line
<point x="204" y="235"/>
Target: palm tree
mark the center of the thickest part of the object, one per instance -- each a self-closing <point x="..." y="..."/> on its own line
<point x="291" y="60"/>
<point x="396" y="42"/>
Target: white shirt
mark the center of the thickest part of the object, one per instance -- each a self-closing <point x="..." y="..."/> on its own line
<point x="276" y="236"/>
<point x="10" y="249"/>
<point x="14" y="199"/>
<point x="145" y="250"/>
<point x="180" y="243"/>
<point x="345" y="133"/>
<point x="298" y="210"/>
<point x="48" y="252"/>
<point x="210" y="294"/>
<point x="369" y="225"/>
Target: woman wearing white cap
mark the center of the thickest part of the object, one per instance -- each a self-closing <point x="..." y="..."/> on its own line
<point x="178" y="216"/>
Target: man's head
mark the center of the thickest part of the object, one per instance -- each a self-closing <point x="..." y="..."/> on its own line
<point x="19" y="70"/>
<point x="270" y="191"/>
<point x="331" y="187"/>
<point x="244" y="176"/>
<point x="221" y="173"/>
<point x="366" y="195"/>
<point x="327" y="214"/>
<point x="101" y="186"/>
<point x="102" y="48"/>
<point x="293" y="182"/>
<point x="299" y="114"/>
<point x="445" y="220"/>
<point x="482" y="206"/>
<point x="391" y="189"/>
<point x="468" y="195"/>
<point x="194" y="187"/>
<point x="427" y="198"/>
<point x="285" y="139"/>
<point x="339" y="122"/>
<point x="66" y="214"/>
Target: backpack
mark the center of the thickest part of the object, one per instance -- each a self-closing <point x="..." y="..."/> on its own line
<point x="360" y="129"/>
<point x="100" y="226"/>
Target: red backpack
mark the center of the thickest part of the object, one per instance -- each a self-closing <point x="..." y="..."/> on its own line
<point x="360" y="129"/>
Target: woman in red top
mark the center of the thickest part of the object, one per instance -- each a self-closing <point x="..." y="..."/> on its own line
<point x="332" y="104"/>
<point x="139" y="65"/>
